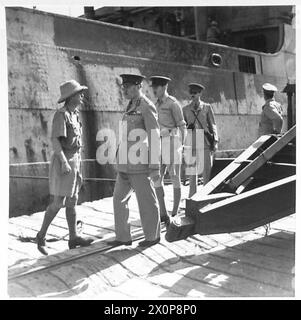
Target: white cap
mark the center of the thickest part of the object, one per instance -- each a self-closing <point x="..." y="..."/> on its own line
<point x="269" y="87"/>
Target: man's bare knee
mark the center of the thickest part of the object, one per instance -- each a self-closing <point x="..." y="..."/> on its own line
<point x="58" y="202"/>
<point x="71" y="202"/>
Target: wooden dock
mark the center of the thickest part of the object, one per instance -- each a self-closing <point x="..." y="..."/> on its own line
<point x="245" y="264"/>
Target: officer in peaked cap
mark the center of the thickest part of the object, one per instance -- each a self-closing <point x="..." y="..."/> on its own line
<point x="159" y="81"/>
<point x="129" y="79"/>
<point x="173" y="134"/>
<point x="271" y="116"/>
<point x="196" y="87"/>
<point x="199" y="115"/>
<point x="135" y="175"/>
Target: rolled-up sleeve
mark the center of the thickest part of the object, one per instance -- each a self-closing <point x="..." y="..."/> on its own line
<point x="177" y="113"/>
<point x="59" y="128"/>
<point x="211" y="122"/>
<point x="272" y="113"/>
<point x="150" y="117"/>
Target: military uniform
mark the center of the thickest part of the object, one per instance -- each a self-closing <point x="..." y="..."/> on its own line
<point x="64" y="170"/>
<point x="170" y="117"/>
<point x="67" y="127"/>
<point x="201" y="117"/>
<point x="172" y="127"/>
<point x="131" y="176"/>
<point x="271" y="117"/>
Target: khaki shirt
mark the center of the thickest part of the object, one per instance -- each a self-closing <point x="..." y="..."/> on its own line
<point x="271" y="118"/>
<point x="204" y="114"/>
<point x="141" y="114"/>
<point x="68" y="128"/>
<point x="170" y="113"/>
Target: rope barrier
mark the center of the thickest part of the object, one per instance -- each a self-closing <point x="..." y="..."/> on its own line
<point x="46" y="178"/>
<point x="84" y="179"/>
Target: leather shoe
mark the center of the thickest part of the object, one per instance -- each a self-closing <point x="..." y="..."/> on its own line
<point x="41" y="242"/>
<point x="80" y="242"/>
<point x="149" y="243"/>
<point x="116" y="243"/>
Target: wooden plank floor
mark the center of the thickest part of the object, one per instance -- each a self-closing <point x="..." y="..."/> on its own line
<point x="245" y="264"/>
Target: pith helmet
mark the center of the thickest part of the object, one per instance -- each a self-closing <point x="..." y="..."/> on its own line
<point x="69" y="88"/>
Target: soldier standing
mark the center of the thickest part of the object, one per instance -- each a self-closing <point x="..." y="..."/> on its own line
<point x="135" y="175"/>
<point x="173" y="134"/>
<point x="271" y="117"/>
<point x="213" y="33"/>
<point x="64" y="171"/>
<point x="199" y="115"/>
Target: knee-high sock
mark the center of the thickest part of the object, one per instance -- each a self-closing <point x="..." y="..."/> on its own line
<point x="50" y="214"/>
<point x="176" y="200"/>
<point x="71" y="221"/>
<point x="160" y="197"/>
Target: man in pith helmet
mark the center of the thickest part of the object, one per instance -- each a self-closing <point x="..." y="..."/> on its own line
<point x="64" y="171"/>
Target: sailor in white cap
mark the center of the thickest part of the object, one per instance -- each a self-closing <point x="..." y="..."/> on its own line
<point x="271" y="117"/>
<point x="64" y="170"/>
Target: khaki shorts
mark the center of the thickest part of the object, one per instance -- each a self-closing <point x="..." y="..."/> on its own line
<point x="65" y="185"/>
<point x="171" y="154"/>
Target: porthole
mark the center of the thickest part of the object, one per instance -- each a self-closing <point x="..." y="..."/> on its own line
<point x="216" y="59"/>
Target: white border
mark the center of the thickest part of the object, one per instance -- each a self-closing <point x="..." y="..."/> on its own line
<point x="67" y="10"/>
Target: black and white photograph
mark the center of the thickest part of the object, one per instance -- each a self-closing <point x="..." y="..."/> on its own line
<point x="149" y="152"/>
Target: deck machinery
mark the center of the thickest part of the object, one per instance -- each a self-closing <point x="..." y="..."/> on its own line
<point x="256" y="188"/>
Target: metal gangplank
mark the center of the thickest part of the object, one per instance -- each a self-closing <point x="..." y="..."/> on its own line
<point x="256" y="188"/>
